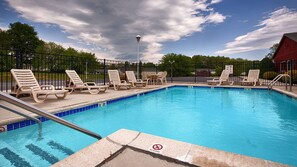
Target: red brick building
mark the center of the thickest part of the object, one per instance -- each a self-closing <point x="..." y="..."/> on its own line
<point x="285" y="56"/>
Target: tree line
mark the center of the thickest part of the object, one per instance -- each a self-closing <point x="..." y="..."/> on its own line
<point x="23" y="40"/>
<point x="188" y="66"/>
<point x="41" y="55"/>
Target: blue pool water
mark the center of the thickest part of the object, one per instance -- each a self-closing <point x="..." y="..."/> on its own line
<point x="257" y="123"/>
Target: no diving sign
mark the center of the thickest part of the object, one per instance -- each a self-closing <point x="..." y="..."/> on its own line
<point x="157" y="148"/>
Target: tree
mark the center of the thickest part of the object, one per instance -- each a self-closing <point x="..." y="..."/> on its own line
<point x="23" y="37"/>
<point x="266" y="65"/>
<point x="50" y="48"/>
<point x="4" y="40"/>
<point x="272" y="50"/>
<point x="182" y="65"/>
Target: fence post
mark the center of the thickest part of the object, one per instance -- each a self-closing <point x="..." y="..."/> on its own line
<point x="104" y="70"/>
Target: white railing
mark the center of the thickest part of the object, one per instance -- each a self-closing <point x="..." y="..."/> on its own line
<point x="278" y="77"/>
<point x="26" y="116"/>
<point x="40" y="112"/>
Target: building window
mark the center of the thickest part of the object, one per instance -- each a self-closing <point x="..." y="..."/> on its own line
<point x="289" y="65"/>
<point x="283" y="66"/>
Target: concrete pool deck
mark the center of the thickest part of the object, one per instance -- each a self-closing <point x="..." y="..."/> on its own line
<point x="127" y="146"/>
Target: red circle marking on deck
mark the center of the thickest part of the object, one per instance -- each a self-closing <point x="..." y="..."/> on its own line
<point x="157" y="146"/>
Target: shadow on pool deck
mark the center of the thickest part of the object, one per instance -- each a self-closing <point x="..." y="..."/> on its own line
<point x="129" y="156"/>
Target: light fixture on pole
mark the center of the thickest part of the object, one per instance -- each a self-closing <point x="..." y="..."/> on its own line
<point x="138" y="40"/>
<point x="171" y="62"/>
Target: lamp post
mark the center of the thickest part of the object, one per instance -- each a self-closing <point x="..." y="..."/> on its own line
<point x="171" y="62"/>
<point x="138" y="40"/>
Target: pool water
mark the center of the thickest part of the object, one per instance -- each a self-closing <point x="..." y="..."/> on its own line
<point x="257" y="123"/>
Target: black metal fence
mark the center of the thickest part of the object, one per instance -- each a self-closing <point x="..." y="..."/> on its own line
<point x="50" y="69"/>
<point x="239" y="71"/>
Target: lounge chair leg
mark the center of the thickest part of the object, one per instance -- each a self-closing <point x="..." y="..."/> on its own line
<point x="35" y="97"/>
<point x="17" y="94"/>
<point x="72" y="90"/>
<point x="104" y="90"/>
<point x="61" y="97"/>
<point x="93" y="92"/>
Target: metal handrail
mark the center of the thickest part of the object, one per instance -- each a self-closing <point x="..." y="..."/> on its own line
<point x="277" y="78"/>
<point x="28" y="117"/>
<point x="45" y="114"/>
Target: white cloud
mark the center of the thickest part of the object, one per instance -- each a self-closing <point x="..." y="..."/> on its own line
<point x="3" y="28"/>
<point x="269" y="32"/>
<point x="215" y="1"/>
<point x="215" y="18"/>
<point x="114" y="24"/>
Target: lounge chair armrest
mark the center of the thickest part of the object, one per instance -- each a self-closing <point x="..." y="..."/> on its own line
<point x="24" y="87"/>
<point x="28" y="87"/>
<point x="50" y="87"/>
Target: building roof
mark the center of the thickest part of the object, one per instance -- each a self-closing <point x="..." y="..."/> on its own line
<point x="292" y="36"/>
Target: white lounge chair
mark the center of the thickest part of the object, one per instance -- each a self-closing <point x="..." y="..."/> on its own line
<point x="224" y="78"/>
<point x="252" y="78"/>
<point x="114" y="79"/>
<point x="132" y="79"/>
<point x="75" y="79"/>
<point x="26" y="83"/>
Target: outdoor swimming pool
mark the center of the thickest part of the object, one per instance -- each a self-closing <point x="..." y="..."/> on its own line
<point x="258" y="123"/>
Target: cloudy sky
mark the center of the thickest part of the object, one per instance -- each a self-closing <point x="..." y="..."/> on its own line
<point x="234" y="28"/>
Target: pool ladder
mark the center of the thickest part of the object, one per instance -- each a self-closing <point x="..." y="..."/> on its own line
<point x="43" y="113"/>
<point x="278" y="77"/>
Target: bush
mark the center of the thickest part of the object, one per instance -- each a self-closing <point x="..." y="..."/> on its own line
<point x="293" y="75"/>
<point x="270" y="75"/>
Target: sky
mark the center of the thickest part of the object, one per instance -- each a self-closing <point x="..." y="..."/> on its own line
<point x="232" y="28"/>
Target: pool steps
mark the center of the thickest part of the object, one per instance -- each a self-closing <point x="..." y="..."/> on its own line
<point x="14" y="158"/>
<point x="18" y="161"/>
